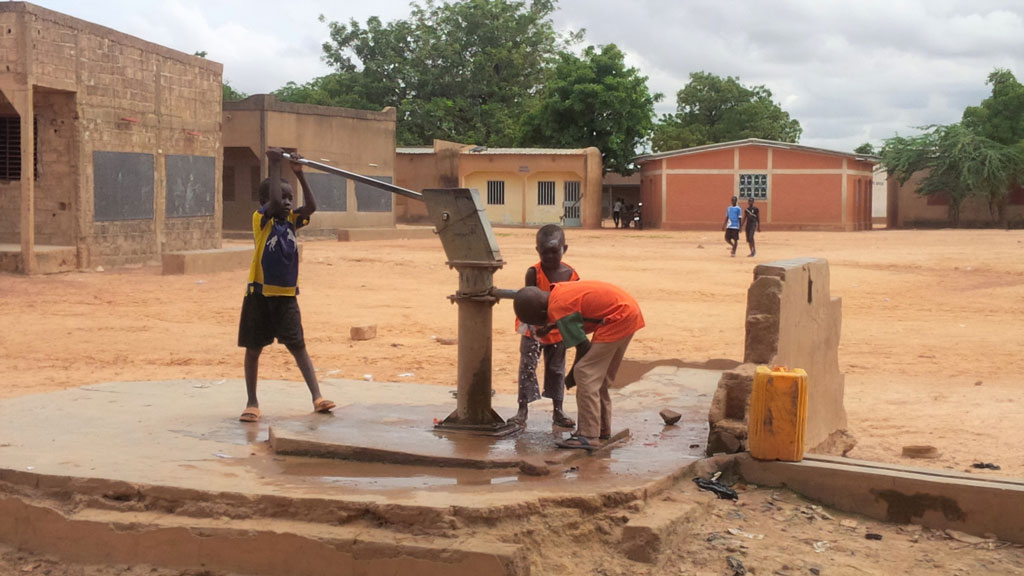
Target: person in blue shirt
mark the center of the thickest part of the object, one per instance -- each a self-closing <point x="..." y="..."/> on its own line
<point x="732" y="225"/>
<point x="270" y="309"/>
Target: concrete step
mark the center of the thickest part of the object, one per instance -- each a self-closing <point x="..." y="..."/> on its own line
<point x="259" y="546"/>
<point x="937" y="499"/>
<point x="645" y="535"/>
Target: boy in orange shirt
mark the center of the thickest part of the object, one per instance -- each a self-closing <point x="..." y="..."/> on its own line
<point x="544" y="274"/>
<point x="578" y="309"/>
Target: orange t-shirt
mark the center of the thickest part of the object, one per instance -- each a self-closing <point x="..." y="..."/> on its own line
<point x="545" y="284"/>
<point x="606" y="310"/>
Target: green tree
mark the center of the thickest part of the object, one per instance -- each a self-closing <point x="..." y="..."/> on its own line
<point x="711" y="109"/>
<point x="1000" y="117"/>
<point x="958" y="163"/>
<point x="337" y="89"/>
<point x="232" y="95"/>
<point x="594" y="101"/>
<point x="465" y="70"/>
<point x="865" y="148"/>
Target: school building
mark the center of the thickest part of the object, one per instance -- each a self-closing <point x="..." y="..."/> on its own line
<point x="109" y="145"/>
<point x="359" y="141"/>
<point x="908" y="209"/>
<point x="525" y="187"/>
<point x="796" y="187"/>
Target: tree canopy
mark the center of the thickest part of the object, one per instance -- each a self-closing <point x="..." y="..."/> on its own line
<point x="594" y="101"/>
<point x="464" y="70"/>
<point x="865" y="148"/>
<point x="711" y="109"/>
<point x="230" y="94"/>
<point x="982" y="156"/>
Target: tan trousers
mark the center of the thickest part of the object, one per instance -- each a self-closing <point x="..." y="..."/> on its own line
<point x="594" y="375"/>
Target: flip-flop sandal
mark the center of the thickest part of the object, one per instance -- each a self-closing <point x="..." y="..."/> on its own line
<point x="563" y="421"/>
<point x="323" y="406"/>
<point x="250" y="414"/>
<point x="577" y="442"/>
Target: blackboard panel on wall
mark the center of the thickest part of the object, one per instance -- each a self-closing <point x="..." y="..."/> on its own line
<point x="331" y="191"/>
<point x="191" y="185"/>
<point x="370" y="199"/>
<point x="122" y="186"/>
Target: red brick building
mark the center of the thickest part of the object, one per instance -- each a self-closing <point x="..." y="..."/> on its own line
<point x="796" y="187"/>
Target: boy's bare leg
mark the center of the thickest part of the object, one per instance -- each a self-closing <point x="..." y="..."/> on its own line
<point x="306" y="367"/>
<point x="252" y="369"/>
<point x="559" y="417"/>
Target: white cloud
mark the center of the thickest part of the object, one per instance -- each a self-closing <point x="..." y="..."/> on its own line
<point x="848" y="71"/>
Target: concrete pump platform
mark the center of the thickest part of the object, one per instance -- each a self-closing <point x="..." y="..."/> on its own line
<point x="163" y="472"/>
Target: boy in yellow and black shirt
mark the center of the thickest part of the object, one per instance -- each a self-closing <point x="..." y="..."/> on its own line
<point x="270" y="309"/>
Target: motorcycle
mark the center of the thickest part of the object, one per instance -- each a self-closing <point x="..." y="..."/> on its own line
<point x="637" y="218"/>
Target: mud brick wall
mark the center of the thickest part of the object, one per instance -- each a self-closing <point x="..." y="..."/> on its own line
<point x="97" y="89"/>
<point x="792" y="320"/>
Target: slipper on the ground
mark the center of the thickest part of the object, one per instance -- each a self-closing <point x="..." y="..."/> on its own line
<point x="323" y="405"/>
<point x="250" y="414"/>
<point x="516" y="421"/>
<point x="563" y="421"/>
<point x="578" y="443"/>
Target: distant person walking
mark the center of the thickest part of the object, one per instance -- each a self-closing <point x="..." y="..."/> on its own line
<point x="751" y="222"/>
<point x="617" y="211"/>
<point x="732" y="225"/>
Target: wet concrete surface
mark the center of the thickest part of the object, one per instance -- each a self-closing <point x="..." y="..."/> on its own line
<point x="185" y="434"/>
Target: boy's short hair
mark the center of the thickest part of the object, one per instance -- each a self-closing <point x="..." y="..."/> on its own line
<point x="550" y="231"/>
<point x="264" y="192"/>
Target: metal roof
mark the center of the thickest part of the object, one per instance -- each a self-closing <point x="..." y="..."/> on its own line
<point x="526" y="151"/>
<point x="754" y="142"/>
<point x="485" y="151"/>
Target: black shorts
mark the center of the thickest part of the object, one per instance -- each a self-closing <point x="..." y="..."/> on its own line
<point x="265" y="318"/>
<point x="732" y="234"/>
<point x="750" y="234"/>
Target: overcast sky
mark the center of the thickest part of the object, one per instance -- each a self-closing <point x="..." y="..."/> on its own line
<point x="850" y="72"/>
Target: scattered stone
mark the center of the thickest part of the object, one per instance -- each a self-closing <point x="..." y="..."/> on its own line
<point x="978" y="383"/>
<point x="848" y="523"/>
<point x="737" y="567"/>
<point x="534" y="468"/>
<point x="363" y="332"/>
<point x="738" y="532"/>
<point x="720" y="441"/>
<point x="821" y="546"/>
<point x="920" y="451"/>
<point x="964" y="537"/>
<point x="670" y="416"/>
<point x="448" y="341"/>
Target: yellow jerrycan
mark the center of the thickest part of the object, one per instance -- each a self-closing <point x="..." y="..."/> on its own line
<point x="778" y="414"/>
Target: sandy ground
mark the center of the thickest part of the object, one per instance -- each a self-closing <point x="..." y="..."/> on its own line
<point x="932" y="336"/>
<point x="932" y="341"/>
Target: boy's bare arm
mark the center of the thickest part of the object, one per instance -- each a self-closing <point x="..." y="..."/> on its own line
<point x="274" y="205"/>
<point x="308" y="199"/>
<point x="531" y="276"/>
<point x="581" y="350"/>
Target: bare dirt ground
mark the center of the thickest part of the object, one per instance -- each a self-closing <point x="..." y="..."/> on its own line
<point x="933" y="326"/>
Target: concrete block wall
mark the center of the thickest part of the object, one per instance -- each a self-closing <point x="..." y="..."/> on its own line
<point x="57" y="185"/>
<point x="102" y="90"/>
